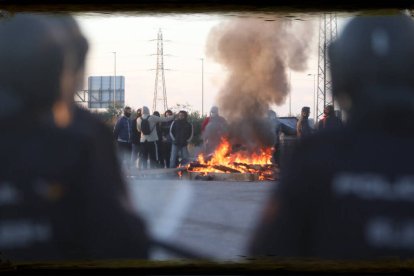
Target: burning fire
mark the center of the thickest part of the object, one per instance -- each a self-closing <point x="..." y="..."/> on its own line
<point x="223" y="161"/>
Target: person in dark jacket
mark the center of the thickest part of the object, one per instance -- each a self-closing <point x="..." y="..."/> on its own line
<point x="348" y="193"/>
<point x="123" y="136"/>
<point x="166" y="142"/>
<point x="330" y="120"/>
<point x="302" y="127"/>
<point x="159" y="134"/>
<point x="181" y="133"/>
<point x="136" y="143"/>
<point x="108" y="211"/>
<point x="63" y="196"/>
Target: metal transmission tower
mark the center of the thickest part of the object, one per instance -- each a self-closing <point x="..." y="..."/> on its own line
<point x="159" y="75"/>
<point x="327" y="33"/>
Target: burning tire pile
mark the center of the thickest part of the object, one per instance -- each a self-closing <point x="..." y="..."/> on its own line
<point x="225" y="165"/>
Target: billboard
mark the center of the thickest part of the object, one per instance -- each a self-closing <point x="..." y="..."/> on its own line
<point x="101" y="91"/>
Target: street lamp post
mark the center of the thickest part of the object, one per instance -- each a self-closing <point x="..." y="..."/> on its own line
<point x="202" y="86"/>
<point x="114" y="76"/>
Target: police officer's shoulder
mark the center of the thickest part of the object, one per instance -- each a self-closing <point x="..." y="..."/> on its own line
<point x="85" y="121"/>
<point x="323" y="142"/>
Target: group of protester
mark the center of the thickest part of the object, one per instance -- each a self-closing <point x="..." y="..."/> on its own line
<point x="303" y="127"/>
<point x="346" y="193"/>
<point x="162" y="142"/>
<point x="169" y="136"/>
<point x="329" y="121"/>
<point x="152" y="140"/>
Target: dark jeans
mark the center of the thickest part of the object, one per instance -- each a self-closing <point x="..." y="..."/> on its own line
<point x="165" y="153"/>
<point x="175" y="150"/>
<point x="276" y="154"/>
<point x="125" y="153"/>
<point x="148" y="149"/>
<point x="160" y="161"/>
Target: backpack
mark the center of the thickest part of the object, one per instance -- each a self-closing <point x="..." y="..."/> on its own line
<point x="145" y="126"/>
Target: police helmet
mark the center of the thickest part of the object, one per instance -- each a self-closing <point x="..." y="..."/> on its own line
<point x="372" y="62"/>
<point x="32" y="59"/>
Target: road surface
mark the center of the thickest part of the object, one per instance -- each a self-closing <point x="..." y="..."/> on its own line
<point x="213" y="218"/>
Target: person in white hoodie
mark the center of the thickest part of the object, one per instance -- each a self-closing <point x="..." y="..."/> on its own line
<point x="149" y="140"/>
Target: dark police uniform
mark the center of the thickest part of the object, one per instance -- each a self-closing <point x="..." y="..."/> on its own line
<point x="348" y="195"/>
<point x="62" y="196"/>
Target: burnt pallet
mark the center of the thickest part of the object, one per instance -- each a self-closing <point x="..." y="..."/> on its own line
<point x="157" y="173"/>
<point x="210" y="176"/>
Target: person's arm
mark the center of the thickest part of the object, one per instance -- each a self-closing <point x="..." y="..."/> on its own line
<point x="203" y="125"/>
<point x="157" y="119"/>
<point x="224" y="123"/>
<point x="191" y="134"/>
<point x="139" y="124"/>
<point x="299" y="128"/>
<point x="172" y="130"/>
<point x="117" y="129"/>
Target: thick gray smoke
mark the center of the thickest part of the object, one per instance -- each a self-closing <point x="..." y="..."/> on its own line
<point x="257" y="55"/>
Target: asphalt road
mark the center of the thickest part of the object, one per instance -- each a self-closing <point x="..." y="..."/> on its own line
<point x="213" y="218"/>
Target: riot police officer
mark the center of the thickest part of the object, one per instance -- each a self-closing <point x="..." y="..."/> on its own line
<point x="349" y="193"/>
<point x="62" y="196"/>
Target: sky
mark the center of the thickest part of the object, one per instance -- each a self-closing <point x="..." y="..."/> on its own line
<point x="134" y="39"/>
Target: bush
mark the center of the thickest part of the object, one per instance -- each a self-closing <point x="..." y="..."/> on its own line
<point x="196" y="120"/>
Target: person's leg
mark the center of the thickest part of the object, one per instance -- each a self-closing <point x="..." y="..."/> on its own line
<point x="185" y="155"/>
<point x="160" y="162"/>
<point x="160" y="155"/>
<point x="152" y="154"/>
<point x="128" y="152"/>
<point x="144" y="154"/>
<point x="122" y="149"/>
<point x="167" y="152"/>
<point x="173" y="156"/>
<point x="179" y="156"/>
<point x="134" y="155"/>
<point x="139" y="154"/>
<point x="277" y="154"/>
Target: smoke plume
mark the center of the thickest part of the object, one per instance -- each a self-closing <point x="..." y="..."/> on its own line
<point x="257" y="55"/>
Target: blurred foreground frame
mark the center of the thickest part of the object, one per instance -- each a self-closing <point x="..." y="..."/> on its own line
<point x="270" y="265"/>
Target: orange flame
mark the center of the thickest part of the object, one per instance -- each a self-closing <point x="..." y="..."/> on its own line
<point x="223" y="156"/>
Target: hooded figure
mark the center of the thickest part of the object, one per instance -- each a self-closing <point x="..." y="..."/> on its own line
<point x="302" y="127"/>
<point x="181" y="132"/>
<point x="149" y="147"/>
<point x="215" y="129"/>
<point x="330" y="120"/>
<point x="136" y="137"/>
